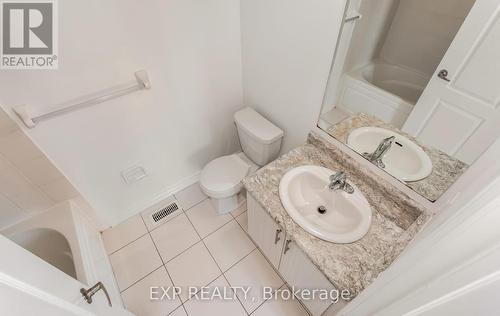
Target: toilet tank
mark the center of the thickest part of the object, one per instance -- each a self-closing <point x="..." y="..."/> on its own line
<point x="259" y="138"/>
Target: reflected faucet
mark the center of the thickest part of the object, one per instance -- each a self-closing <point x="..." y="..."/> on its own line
<point x="338" y="181"/>
<point x="379" y="153"/>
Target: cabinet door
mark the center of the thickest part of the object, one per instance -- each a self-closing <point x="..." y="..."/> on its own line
<point x="300" y="273"/>
<point x="265" y="232"/>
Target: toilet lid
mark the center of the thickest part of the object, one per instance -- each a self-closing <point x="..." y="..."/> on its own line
<point x="222" y="177"/>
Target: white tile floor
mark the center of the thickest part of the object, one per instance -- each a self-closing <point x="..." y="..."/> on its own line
<point x="198" y="247"/>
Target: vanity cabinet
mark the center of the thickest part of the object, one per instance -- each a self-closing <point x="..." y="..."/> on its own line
<point x="266" y="233"/>
<point x="301" y="273"/>
<point x="292" y="264"/>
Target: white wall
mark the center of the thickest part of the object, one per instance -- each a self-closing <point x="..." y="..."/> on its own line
<point x="29" y="182"/>
<point x="287" y="49"/>
<point x="192" y="51"/>
<point x="422" y="31"/>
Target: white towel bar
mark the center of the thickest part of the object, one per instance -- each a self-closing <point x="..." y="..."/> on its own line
<point x="30" y="120"/>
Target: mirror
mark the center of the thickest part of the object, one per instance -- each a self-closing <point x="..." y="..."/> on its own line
<point x="409" y="89"/>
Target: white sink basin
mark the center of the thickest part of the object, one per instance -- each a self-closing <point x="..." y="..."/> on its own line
<point x="348" y="216"/>
<point x="405" y="160"/>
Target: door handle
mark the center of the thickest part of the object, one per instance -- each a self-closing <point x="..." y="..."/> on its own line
<point x="443" y="74"/>
<point x="87" y="294"/>
<point x="287" y="246"/>
<point x="277" y="236"/>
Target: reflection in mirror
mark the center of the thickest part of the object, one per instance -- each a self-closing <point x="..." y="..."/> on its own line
<point x="410" y="88"/>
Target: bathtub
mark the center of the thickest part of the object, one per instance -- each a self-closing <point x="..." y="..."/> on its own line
<point x="386" y="91"/>
<point x="66" y="239"/>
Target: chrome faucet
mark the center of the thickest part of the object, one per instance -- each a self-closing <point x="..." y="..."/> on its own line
<point x="379" y="153"/>
<point x="338" y="181"/>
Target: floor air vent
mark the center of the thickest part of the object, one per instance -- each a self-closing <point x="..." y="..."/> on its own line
<point x="164" y="212"/>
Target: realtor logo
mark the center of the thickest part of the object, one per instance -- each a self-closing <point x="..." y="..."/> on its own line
<point x="29" y="37"/>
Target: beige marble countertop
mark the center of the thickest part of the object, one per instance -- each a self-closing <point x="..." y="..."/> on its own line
<point x="396" y="218"/>
<point x="445" y="169"/>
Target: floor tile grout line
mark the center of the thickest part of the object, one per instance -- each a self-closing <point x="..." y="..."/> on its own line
<point x="191" y="222"/>
<point x="248" y="254"/>
<point x="166" y="270"/>
<point x="147" y="230"/>
<point x="255" y="246"/>
<point x="263" y="302"/>
<point x="142" y="278"/>
<point x="209" y="249"/>
<point x="197" y="242"/>
<point x="242" y="226"/>
<point x="201" y="239"/>
<point x="181" y="253"/>
<point x="275" y="271"/>
<point x="167" y="221"/>
<point x="183" y="211"/>
<point x="219" y="228"/>
<point x="210" y="282"/>
<point x="227" y="281"/>
<point x="185" y="310"/>
<point x="165" y="262"/>
<point x="152" y="230"/>
<point x="155" y="269"/>
<point x="109" y="254"/>
<point x="222" y="272"/>
<point x="211" y="233"/>
<point x="180" y="306"/>
<point x="282" y="286"/>
<point x="241" y="204"/>
<point x="196" y="204"/>
<point x="161" y="258"/>
<point x="253" y="250"/>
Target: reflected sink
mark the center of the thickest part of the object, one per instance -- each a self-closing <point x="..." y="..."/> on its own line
<point x="405" y="160"/>
<point x="304" y="189"/>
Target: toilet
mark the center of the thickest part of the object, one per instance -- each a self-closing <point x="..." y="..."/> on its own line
<point x="261" y="144"/>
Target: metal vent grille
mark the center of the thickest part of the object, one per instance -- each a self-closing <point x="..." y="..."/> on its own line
<point x="164" y="212"/>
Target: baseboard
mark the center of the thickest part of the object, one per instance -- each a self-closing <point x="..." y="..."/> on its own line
<point x="169" y="191"/>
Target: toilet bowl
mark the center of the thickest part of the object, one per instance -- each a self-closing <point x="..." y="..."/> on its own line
<point x="221" y="178"/>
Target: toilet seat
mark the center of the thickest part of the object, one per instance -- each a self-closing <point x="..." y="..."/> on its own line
<point x="222" y="177"/>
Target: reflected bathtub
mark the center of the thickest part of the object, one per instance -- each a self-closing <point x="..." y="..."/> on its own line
<point x="386" y="91"/>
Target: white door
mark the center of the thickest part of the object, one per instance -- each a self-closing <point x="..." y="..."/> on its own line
<point x="462" y="116"/>
<point x="31" y="286"/>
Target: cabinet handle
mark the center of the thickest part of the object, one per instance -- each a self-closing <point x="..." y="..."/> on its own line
<point x="287" y="246"/>
<point x="277" y="236"/>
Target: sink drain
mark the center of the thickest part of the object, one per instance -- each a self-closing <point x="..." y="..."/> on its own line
<point x="321" y="209"/>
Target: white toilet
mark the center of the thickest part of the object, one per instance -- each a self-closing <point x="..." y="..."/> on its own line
<point x="261" y="143"/>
